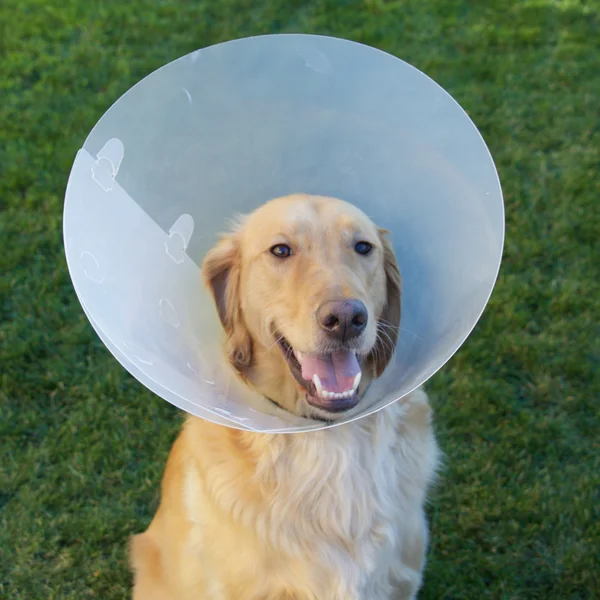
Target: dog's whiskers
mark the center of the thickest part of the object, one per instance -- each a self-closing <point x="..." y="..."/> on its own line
<point x="387" y="324"/>
<point x="385" y="342"/>
<point x="277" y="341"/>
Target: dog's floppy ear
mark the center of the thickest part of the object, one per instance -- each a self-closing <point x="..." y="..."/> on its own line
<point x="221" y="269"/>
<point x="389" y="321"/>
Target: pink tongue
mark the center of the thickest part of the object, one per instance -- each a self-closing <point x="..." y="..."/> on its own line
<point x="336" y="371"/>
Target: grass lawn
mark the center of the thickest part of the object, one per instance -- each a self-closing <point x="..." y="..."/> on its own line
<point x="516" y="514"/>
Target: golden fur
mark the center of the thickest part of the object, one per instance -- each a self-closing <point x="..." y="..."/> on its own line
<point x="335" y="514"/>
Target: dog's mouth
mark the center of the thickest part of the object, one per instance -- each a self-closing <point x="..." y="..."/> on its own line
<point x="331" y="380"/>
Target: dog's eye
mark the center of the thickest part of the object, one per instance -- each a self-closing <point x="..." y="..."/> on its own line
<point x="363" y="247"/>
<point x="281" y="250"/>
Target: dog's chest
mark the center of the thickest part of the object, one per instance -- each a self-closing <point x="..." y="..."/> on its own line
<point x="332" y="510"/>
<point x="318" y="517"/>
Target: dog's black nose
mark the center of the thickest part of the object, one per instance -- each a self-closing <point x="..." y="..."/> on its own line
<point x="343" y="319"/>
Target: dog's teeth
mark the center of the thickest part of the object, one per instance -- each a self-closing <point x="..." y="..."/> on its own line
<point x="327" y="395"/>
<point x="356" y="381"/>
<point x="318" y="385"/>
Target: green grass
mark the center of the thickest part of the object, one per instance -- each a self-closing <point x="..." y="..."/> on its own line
<point x="516" y="514"/>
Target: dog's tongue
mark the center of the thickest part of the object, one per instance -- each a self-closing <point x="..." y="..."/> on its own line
<point x="336" y="371"/>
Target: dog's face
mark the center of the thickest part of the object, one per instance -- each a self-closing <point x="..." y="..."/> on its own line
<point x="308" y="292"/>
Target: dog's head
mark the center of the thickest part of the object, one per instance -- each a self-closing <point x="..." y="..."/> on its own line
<point x="308" y="293"/>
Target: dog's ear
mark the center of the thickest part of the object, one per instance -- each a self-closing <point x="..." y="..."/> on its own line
<point x="221" y="269"/>
<point x="389" y="321"/>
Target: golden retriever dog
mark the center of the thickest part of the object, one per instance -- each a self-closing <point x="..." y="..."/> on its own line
<point x="308" y="293"/>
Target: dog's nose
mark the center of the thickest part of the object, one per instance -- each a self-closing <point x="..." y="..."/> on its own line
<point x="343" y="319"/>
